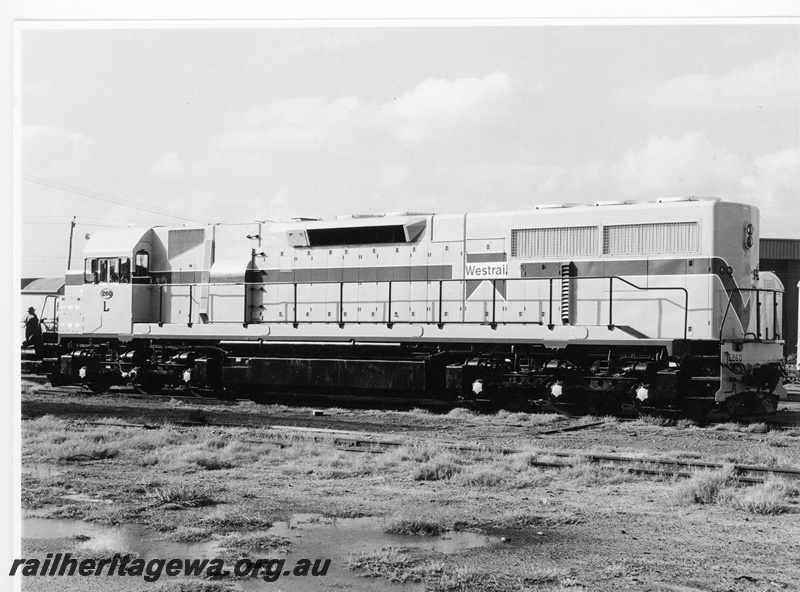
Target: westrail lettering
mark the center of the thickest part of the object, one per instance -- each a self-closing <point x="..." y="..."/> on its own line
<point x="485" y="270"/>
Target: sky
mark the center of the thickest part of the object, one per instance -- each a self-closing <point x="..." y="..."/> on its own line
<point x="267" y="122"/>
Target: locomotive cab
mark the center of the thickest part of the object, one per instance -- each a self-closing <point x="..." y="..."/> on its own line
<point x="113" y="289"/>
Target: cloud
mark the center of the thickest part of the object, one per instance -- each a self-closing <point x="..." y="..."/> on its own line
<point x="675" y="166"/>
<point x="773" y="184"/>
<point x="49" y="149"/>
<point x="752" y="86"/>
<point x="436" y="104"/>
<point x="431" y="109"/>
<point x="170" y="164"/>
<point x="693" y="165"/>
<point x="342" y="155"/>
<point x="690" y="164"/>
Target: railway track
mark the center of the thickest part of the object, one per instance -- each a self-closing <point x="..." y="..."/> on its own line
<point x="634" y="464"/>
<point x="787" y="418"/>
<point x="374" y="442"/>
<point x="354" y="441"/>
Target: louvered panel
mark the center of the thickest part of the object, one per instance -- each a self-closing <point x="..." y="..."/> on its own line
<point x="564" y="241"/>
<point x="651" y="239"/>
<point x="181" y="240"/>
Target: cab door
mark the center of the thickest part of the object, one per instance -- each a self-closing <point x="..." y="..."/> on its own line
<point x="145" y="305"/>
<point x="107" y="293"/>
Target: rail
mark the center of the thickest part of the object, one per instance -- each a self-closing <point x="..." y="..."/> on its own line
<point x="757" y="291"/>
<point x="437" y="303"/>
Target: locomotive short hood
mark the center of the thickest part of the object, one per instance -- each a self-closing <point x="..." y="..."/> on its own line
<point x="120" y="242"/>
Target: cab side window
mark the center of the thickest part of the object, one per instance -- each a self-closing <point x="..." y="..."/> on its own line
<point x="124" y="270"/>
<point x="141" y="267"/>
<point x="113" y="271"/>
<point x="90" y="271"/>
<point x="107" y="271"/>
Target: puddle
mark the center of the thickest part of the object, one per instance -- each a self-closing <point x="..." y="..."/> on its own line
<point x="130" y="538"/>
<point x="41" y="470"/>
<point x="362" y="534"/>
<point x="82" y="497"/>
<point x="311" y="537"/>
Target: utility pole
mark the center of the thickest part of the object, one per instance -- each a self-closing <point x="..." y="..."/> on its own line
<point x="71" y="232"/>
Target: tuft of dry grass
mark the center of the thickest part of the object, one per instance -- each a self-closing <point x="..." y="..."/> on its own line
<point x="461" y="413"/>
<point x="774" y="496"/>
<point x="181" y="495"/>
<point x="518" y="519"/>
<point x="236" y="518"/>
<point x="416" y="527"/>
<point x="591" y="474"/>
<point x="190" y="534"/>
<point x="253" y="540"/>
<point x="744" y="428"/>
<point x="75" y="450"/>
<point x="422" y="452"/>
<point x="656" y="420"/>
<point x="471" y="578"/>
<point x="765" y="455"/>
<point x="542" y="419"/>
<point x="195" y="586"/>
<point x="391" y="563"/>
<point x="438" y="470"/>
<point x="703" y="488"/>
<point x="483" y="475"/>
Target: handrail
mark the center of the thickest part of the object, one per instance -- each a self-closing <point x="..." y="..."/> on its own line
<point x="493" y="321"/>
<point x="685" y="304"/>
<point x="757" y="291"/>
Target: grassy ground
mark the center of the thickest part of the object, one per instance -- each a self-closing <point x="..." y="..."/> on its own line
<point x="588" y="527"/>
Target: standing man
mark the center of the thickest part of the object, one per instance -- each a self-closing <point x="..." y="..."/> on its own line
<point x="33" y="332"/>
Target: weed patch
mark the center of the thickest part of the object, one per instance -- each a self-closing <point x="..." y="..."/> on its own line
<point x="193" y="586"/>
<point x="391" y="563"/>
<point x="190" y="534"/>
<point x="461" y="413"/>
<point x="181" y="495"/>
<point x="703" y="488"/>
<point x="415" y="527"/>
<point x="236" y="518"/>
<point x="774" y="496"/>
<point x="437" y="470"/>
<point x="253" y="541"/>
<point x="483" y="476"/>
<point x="87" y="451"/>
<point x="471" y="578"/>
<point x="517" y="519"/>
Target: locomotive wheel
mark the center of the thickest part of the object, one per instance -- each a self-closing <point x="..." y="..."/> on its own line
<point x="98" y="387"/>
<point x="148" y="385"/>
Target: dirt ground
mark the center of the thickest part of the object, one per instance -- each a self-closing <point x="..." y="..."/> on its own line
<point x="587" y="527"/>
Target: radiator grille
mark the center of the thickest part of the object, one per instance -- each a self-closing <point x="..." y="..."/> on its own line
<point x="564" y="241"/>
<point x="359" y="235"/>
<point x="651" y="239"/>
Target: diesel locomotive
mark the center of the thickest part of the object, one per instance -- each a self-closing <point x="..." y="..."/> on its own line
<point x="615" y="305"/>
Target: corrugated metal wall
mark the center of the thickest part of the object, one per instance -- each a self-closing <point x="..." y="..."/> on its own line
<point x="780" y="248"/>
<point x="782" y="256"/>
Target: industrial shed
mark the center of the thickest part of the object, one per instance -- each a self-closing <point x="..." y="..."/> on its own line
<point x="782" y="256"/>
<point x="42" y="294"/>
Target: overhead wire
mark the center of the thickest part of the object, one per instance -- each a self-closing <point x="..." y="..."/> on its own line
<point x="114" y="199"/>
<point x="67" y="218"/>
